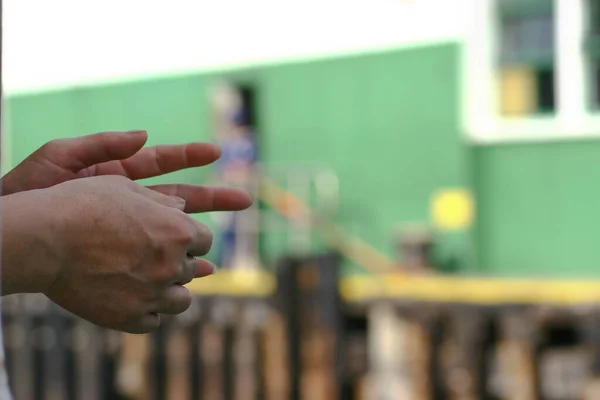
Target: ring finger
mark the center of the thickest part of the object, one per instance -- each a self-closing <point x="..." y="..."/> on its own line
<point x="188" y="270"/>
<point x="196" y="268"/>
<point x="174" y="300"/>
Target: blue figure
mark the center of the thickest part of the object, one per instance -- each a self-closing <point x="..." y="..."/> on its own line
<point x="236" y="168"/>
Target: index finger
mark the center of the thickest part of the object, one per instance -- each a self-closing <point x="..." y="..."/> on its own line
<point x="159" y="160"/>
<point x="200" y="199"/>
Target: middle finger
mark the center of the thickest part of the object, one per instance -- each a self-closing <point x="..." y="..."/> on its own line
<point x="159" y="160"/>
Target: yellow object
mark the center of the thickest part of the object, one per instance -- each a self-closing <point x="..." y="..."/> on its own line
<point x="517" y="91"/>
<point x="489" y="291"/>
<point x="236" y="283"/>
<point x="440" y="289"/>
<point x="452" y="209"/>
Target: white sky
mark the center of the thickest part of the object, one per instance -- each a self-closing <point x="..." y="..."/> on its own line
<point x="53" y="43"/>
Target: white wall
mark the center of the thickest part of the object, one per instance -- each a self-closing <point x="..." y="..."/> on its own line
<point x="58" y="43"/>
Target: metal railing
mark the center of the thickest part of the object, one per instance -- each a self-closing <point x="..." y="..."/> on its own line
<point x="316" y="198"/>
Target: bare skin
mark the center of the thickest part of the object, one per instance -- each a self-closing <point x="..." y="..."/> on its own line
<point x="105" y="248"/>
<point x="105" y="153"/>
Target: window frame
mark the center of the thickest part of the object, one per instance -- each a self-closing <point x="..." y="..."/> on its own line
<point x="592" y="52"/>
<point x="572" y="119"/>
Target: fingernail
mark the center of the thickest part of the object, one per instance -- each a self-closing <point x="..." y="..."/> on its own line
<point x="214" y="271"/>
<point x="180" y="202"/>
<point x="136" y="132"/>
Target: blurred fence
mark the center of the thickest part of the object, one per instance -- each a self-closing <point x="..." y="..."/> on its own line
<point x="215" y="348"/>
<point x="299" y="340"/>
<point x="225" y="346"/>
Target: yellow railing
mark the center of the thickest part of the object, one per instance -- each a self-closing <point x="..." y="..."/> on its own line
<point x="235" y="283"/>
<point x="485" y="291"/>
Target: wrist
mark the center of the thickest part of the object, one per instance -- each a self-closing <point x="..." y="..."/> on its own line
<point x="29" y="243"/>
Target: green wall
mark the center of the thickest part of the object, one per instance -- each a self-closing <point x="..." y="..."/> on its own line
<point x="539" y="208"/>
<point x="387" y="123"/>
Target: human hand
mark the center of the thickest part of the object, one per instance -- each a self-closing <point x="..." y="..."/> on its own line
<point x="109" y="250"/>
<point x="105" y="153"/>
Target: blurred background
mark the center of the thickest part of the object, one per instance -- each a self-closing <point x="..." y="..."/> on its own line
<point x="425" y="172"/>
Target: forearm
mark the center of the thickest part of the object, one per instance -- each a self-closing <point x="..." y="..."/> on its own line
<point x="27" y="254"/>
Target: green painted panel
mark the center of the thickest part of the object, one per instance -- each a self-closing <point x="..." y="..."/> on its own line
<point x="173" y="111"/>
<point x="386" y="123"/>
<point x="538" y="209"/>
<point x="38" y="119"/>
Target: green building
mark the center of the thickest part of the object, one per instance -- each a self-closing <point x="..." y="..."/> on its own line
<point x="500" y="103"/>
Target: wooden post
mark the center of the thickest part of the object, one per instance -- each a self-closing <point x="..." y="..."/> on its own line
<point x="516" y="356"/>
<point x="132" y="374"/>
<point x="421" y="352"/>
<point x="591" y="330"/>
<point x="216" y="353"/>
<point x="319" y="327"/>
<point x="211" y="348"/>
<point x="276" y="358"/>
<point x="387" y="379"/>
<point x="111" y="348"/>
<point x="462" y="355"/>
<point x="309" y="299"/>
<point x="19" y="344"/>
<point x="563" y="359"/>
<point x="248" y="351"/>
<point x="179" y="346"/>
<point x="177" y="363"/>
<point x="318" y="368"/>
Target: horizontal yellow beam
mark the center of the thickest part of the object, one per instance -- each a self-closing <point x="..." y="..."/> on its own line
<point x="235" y="283"/>
<point x="484" y="291"/>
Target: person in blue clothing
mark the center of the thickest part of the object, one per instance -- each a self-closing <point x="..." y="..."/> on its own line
<point x="236" y="167"/>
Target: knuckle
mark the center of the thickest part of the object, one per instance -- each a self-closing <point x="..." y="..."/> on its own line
<point x="187" y="233"/>
<point x="189" y="272"/>
<point x="167" y="273"/>
<point x="180" y="232"/>
<point x="52" y="146"/>
<point x="206" y="236"/>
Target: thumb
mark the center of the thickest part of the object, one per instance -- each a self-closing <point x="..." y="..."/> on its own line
<point x="78" y="153"/>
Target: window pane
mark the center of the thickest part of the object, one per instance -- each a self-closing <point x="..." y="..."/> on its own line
<point x="510" y="39"/>
<point x="526" y="91"/>
<point x="595" y="17"/>
<point x="592" y="47"/>
<point x="527" y="47"/>
<point x="546" y="98"/>
<point x="524" y="8"/>
<point x="530" y="39"/>
<point x="541" y="34"/>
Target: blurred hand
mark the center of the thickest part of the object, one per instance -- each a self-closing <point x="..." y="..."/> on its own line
<point x="109" y="250"/>
<point x="106" y="153"/>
